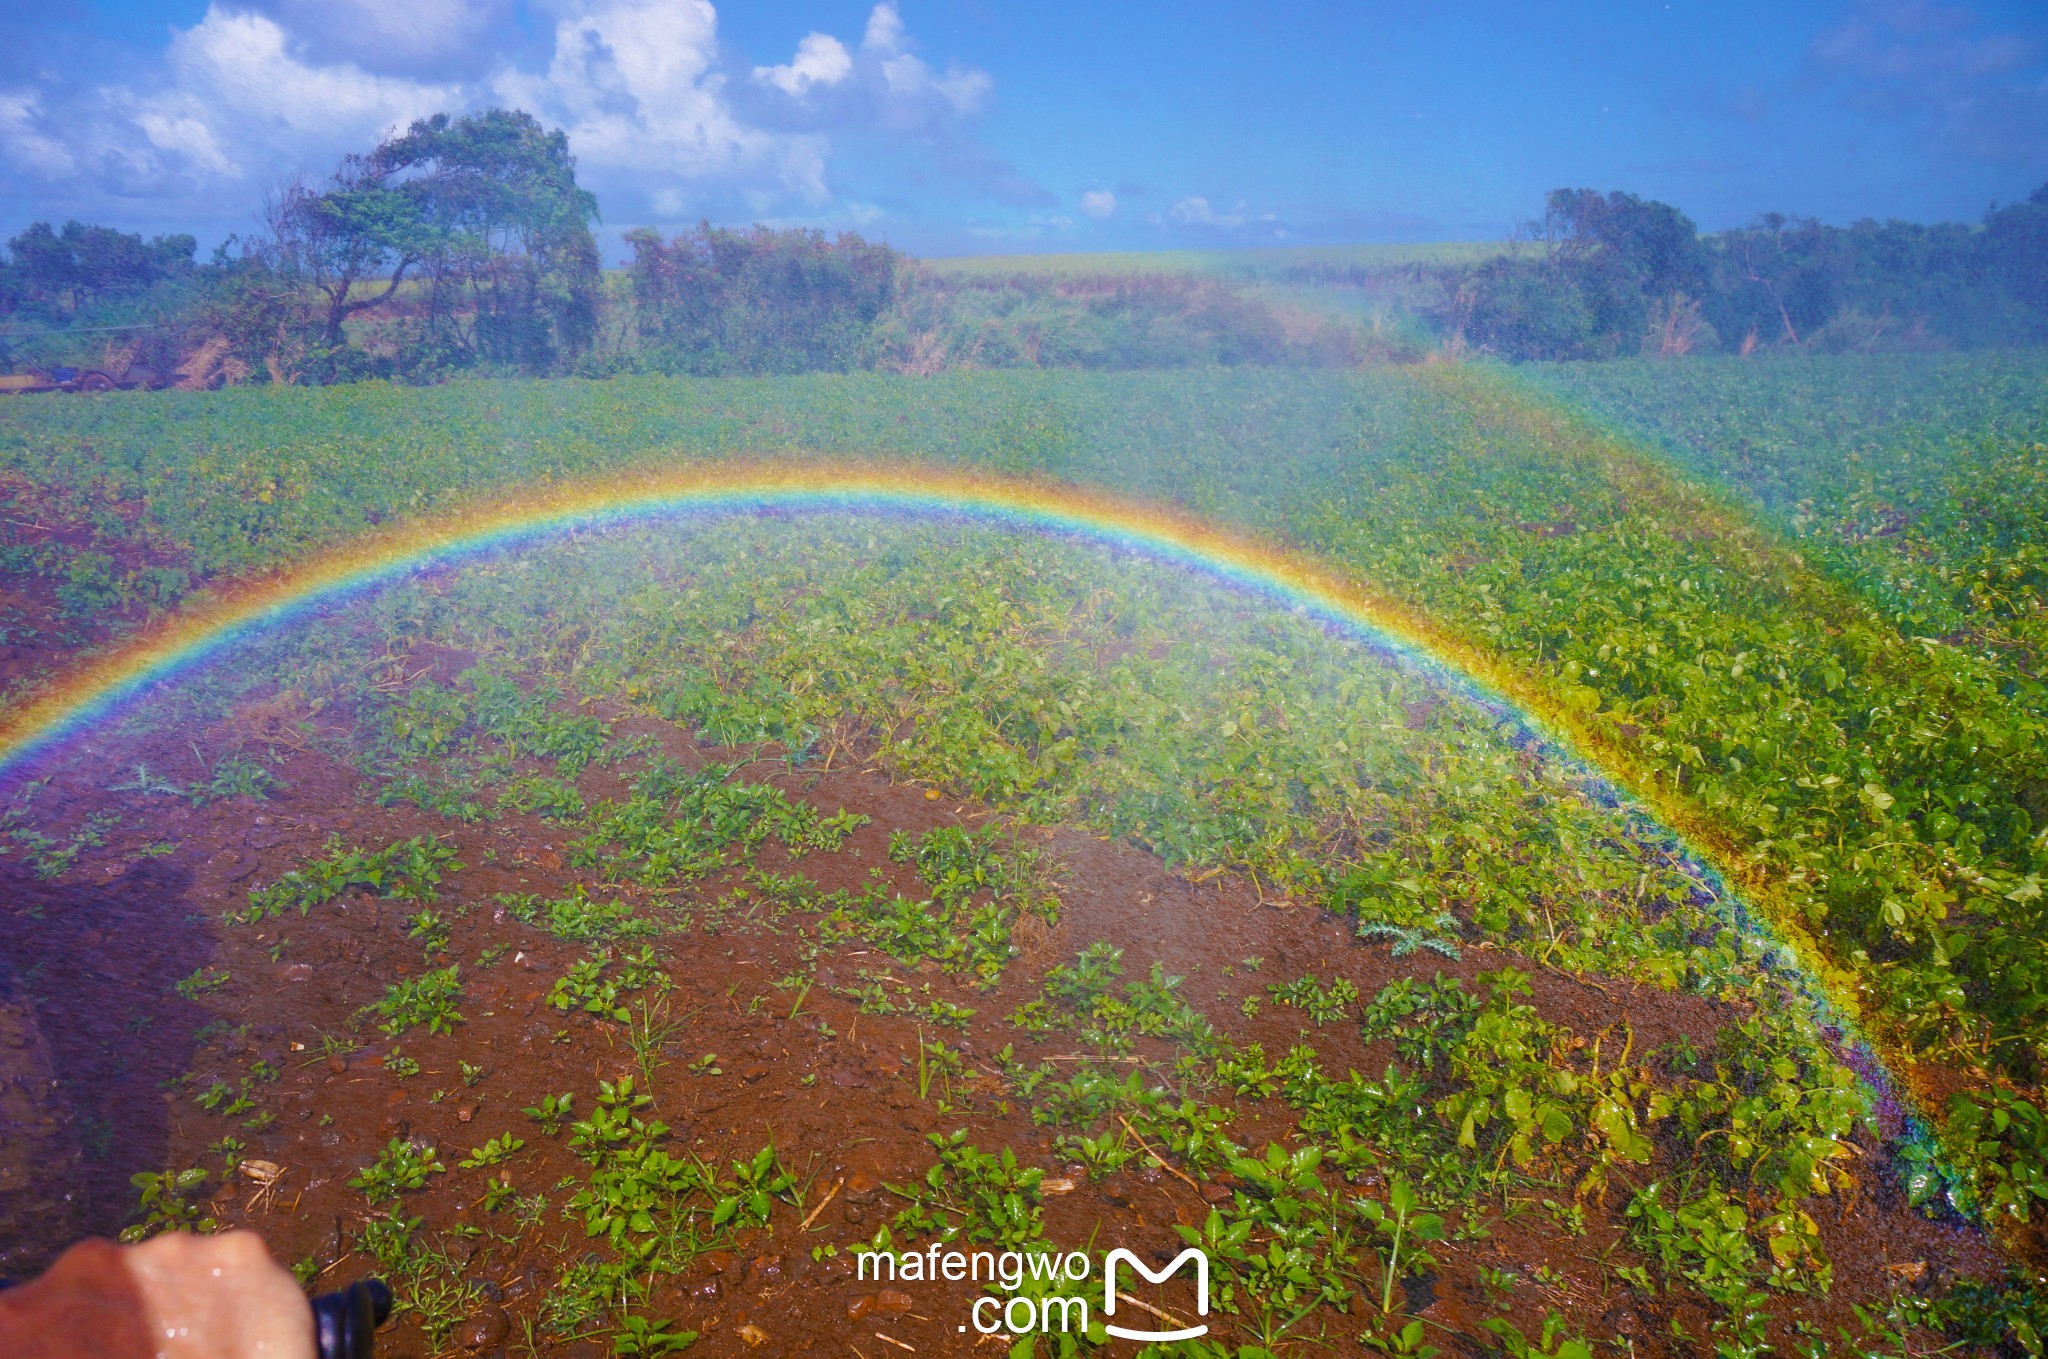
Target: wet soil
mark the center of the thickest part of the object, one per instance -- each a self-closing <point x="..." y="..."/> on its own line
<point x="39" y="635"/>
<point x="100" y="1059"/>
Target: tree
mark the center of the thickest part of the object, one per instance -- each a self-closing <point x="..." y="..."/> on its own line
<point x="2016" y="252"/>
<point x="1657" y="245"/>
<point x="510" y="265"/>
<point x="482" y="213"/>
<point x="1776" y="280"/>
<point x="59" y="272"/>
<point x="356" y="229"/>
<point x="760" y="301"/>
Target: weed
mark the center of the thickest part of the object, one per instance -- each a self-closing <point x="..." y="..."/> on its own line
<point x="202" y="982"/>
<point x="577" y="917"/>
<point x="1398" y="1226"/>
<point x="639" y="1337"/>
<point x="234" y="776"/>
<point x="166" y="1203"/>
<point x="973" y="1193"/>
<point x="403" y="1166"/>
<point x="593" y="987"/>
<point x="649" y="1031"/>
<point x="493" y="1152"/>
<point x="400" y="1065"/>
<point x="1102" y="1154"/>
<point x="428" y="929"/>
<point x="146" y="782"/>
<point x="407" y="870"/>
<point x="551" y="1113"/>
<point x="1553" y="1343"/>
<point x="426" y="1000"/>
<point x="498" y="1192"/>
<point x="1323" y="1005"/>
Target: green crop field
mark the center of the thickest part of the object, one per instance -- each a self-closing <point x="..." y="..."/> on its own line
<point x="1793" y="606"/>
<point x="1918" y="480"/>
<point x="1278" y="263"/>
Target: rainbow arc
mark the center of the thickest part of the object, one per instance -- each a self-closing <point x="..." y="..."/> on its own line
<point x="210" y="623"/>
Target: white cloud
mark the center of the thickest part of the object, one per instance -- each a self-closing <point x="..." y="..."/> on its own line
<point x="821" y="59"/>
<point x="234" y="102"/>
<point x="1099" y="203"/>
<point x="913" y="87"/>
<point x="185" y="136"/>
<point x="658" y="115"/>
<point x="885" y="29"/>
<point x="636" y="86"/>
<point x="25" y="143"/>
<point x="1195" y="211"/>
<point x="242" y="64"/>
<point x="409" y="36"/>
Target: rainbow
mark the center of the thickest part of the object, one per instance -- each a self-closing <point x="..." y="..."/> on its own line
<point x="210" y="623"/>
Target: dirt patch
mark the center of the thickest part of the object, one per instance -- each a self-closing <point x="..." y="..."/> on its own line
<point x="125" y="999"/>
<point x="67" y="587"/>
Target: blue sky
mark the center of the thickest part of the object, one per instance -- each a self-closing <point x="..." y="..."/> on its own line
<point x="972" y="126"/>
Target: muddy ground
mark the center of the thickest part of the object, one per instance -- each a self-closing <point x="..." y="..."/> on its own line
<point x="100" y="1059"/>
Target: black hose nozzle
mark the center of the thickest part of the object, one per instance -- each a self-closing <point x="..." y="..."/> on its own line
<point x="345" y="1323"/>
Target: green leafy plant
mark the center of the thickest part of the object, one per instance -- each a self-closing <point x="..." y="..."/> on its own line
<point x="493" y="1152"/>
<point x="427" y="1000"/>
<point x="234" y="776"/>
<point x="203" y="981"/>
<point x="404" y="1166"/>
<point x="551" y="1113"/>
<point x="1398" y="1228"/>
<point x="166" y="1203"/>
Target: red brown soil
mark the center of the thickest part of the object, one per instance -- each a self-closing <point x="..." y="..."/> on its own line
<point x="92" y="1036"/>
<point x="38" y="638"/>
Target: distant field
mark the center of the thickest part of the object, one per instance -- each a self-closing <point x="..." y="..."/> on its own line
<point x="1277" y="264"/>
<point x="1921" y="479"/>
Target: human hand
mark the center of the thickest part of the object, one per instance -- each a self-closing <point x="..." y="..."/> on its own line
<point x="175" y="1296"/>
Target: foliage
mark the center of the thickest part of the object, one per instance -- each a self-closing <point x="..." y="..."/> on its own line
<point x="428" y="999"/>
<point x="593" y="987"/>
<point x="405" y="870"/>
<point x="166" y="1203"/>
<point x="578" y="916"/>
<point x="485" y="211"/>
<point x="980" y="1195"/>
<point x="235" y="776"/>
<point x="717" y="300"/>
<point x="493" y="1152"/>
<point x="1821" y="749"/>
<point x="50" y="274"/>
<point x="1615" y="274"/>
<point x="403" y="1167"/>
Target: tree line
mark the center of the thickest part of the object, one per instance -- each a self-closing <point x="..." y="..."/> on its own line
<point x="465" y="245"/>
<point x="1612" y="274"/>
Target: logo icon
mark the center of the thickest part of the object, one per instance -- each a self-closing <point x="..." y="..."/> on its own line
<point x="1201" y="1292"/>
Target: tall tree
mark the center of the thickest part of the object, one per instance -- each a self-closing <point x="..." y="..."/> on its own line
<point x="355" y="231"/>
<point x="1656" y="244"/>
<point x="508" y="256"/>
